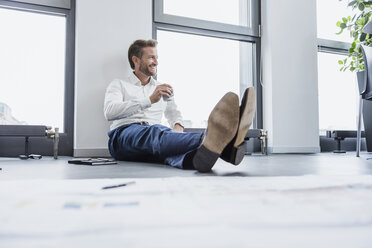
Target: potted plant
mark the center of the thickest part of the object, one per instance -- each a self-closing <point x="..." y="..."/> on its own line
<point x="355" y="61"/>
<point x="354" y="25"/>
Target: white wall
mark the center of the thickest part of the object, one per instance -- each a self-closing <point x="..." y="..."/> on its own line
<point x="104" y="31"/>
<point x="289" y="50"/>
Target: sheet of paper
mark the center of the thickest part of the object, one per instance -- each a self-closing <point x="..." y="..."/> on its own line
<point x="168" y="212"/>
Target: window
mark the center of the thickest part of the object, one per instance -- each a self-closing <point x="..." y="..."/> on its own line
<point x="327" y="19"/>
<point x="338" y="92"/>
<point x="205" y="50"/>
<point x="203" y="75"/>
<point x="231" y="16"/>
<point x="37" y="62"/>
<point x="233" y="13"/>
<point x="32" y="60"/>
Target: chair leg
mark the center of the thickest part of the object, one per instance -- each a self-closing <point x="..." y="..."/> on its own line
<point x="359" y="126"/>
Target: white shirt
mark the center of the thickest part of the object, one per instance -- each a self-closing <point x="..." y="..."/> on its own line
<point x="128" y="101"/>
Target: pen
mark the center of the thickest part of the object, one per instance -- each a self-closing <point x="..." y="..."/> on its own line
<point x="118" y="185"/>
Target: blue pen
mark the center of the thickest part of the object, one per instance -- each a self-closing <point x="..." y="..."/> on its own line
<point x="118" y="185"/>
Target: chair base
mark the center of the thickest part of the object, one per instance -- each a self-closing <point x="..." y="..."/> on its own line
<point x="339" y="151"/>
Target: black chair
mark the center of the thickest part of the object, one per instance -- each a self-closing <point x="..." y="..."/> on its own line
<point x="368" y="28"/>
<point x="366" y="91"/>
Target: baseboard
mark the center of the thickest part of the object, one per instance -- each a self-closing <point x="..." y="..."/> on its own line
<point x="92" y="152"/>
<point x="104" y="152"/>
<point x="294" y="149"/>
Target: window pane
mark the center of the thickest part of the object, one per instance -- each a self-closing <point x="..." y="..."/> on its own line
<point x="329" y="12"/>
<point x="32" y="62"/>
<point x="338" y="95"/>
<point x="224" y="11"/>
<point x="201" y="70"/>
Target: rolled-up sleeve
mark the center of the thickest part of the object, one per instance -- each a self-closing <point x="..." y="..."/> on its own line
<point x="172" y="114"/>
<point x="115" y="105"/>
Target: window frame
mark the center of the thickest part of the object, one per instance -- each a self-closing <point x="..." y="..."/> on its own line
<point x="253" y="30"/>
<point x="340" y="48"/>
<point x="333" y="46"/>
<point x="15" y="146"/>
<point x="179" y="24"/>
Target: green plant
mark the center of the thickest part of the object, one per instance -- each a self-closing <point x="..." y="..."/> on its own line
<point x="354" y="25"/>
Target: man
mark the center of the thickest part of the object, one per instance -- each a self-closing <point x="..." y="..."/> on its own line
<point x="135" y="107"/>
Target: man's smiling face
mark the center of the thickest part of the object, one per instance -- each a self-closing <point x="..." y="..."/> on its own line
<point x="149" y="61"/>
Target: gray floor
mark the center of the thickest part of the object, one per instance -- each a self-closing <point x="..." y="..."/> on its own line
<point x="252" y="165"/>
<point x="232" y="206"/>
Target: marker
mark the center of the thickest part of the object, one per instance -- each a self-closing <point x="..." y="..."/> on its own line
<point x="118" y="185"/>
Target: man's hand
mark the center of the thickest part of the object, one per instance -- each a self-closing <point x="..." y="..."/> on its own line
<point x="178" y="128"/>
<point x="160" y="91"/>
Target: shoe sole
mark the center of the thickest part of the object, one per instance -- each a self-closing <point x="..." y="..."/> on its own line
<point x="222" y="127"/>
<point x="236" y="152"/>
<point x="246" y="118"/>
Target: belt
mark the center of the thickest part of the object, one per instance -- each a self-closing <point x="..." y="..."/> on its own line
<point x="142" y="123"/>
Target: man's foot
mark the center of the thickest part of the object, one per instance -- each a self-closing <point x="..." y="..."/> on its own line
<point x="222" y="127"/>
<point x="235" y="150"/>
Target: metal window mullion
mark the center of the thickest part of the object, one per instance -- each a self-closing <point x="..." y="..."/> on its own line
<point x="258" y="120"/>
<point x="207" y="25"/>
<point x="332" y="46"/>
<point x="33" y="8"/>
<point x="202" y="32"/>
<point x="64" y="4"/>
<point x="332" y="50"/>
<point x="69" y="78"/>
<point x="255" y="16"/>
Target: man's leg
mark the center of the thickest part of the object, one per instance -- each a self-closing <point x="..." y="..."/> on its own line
<point x="155" y="143"/>
<point x="183" y="150"/>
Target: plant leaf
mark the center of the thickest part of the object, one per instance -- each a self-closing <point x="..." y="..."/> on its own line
<point x="361" y="6"/>
<point x="352" y="3"/>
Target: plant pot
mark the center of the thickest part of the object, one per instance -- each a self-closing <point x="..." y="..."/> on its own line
<point x="367" y="112"/>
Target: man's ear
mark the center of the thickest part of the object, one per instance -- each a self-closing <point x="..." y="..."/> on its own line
<point x="135" y="60"/>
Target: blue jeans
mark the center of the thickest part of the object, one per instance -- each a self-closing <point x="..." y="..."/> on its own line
<point x="154" y="143"/>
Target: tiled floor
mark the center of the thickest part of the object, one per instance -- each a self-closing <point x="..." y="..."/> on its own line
<point x="255" y="165"/>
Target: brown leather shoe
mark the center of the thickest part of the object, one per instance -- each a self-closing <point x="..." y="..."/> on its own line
<point x="235" y="150"/>
<point x="222" y="127"/>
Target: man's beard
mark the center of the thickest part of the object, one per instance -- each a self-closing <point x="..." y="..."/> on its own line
<point x="145" y="70"/>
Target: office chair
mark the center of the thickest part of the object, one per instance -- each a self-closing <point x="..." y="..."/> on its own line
<point x="366" y="91"/>
<point x="367" y="29"/>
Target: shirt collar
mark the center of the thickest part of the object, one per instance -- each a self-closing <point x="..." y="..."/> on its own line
<point x="134" y="79"/>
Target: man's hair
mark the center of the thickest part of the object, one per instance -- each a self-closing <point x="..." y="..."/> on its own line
<point x="136" y="49"/>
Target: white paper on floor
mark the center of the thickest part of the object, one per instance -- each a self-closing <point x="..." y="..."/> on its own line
<point x="232" y="210"/>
